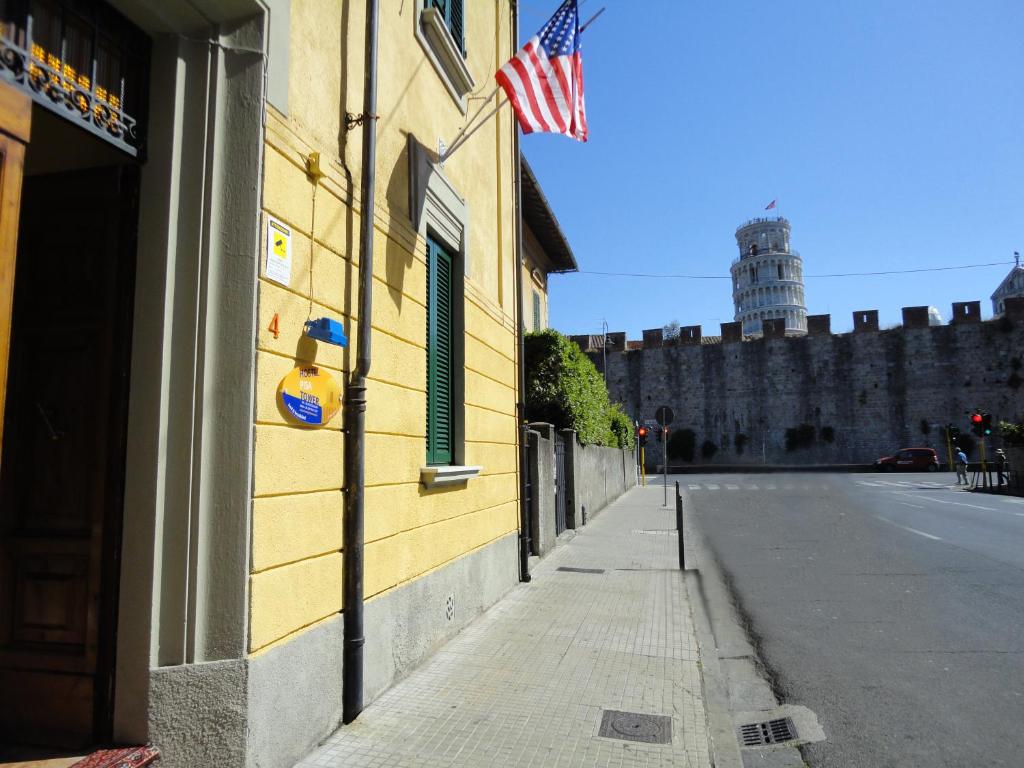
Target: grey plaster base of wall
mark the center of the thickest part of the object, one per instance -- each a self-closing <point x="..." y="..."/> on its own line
<point x="264" y="712"/>
<point x="198" y="713"/>
<point x="295" y="696"/>
<point x="405" y="625"/>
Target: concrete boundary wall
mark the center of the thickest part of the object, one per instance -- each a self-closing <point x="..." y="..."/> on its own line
<point x="601" y="476"/>
<point x="595" y="477"/>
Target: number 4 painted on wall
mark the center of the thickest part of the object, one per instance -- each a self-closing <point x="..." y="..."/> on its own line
<point x="274" y="326"/>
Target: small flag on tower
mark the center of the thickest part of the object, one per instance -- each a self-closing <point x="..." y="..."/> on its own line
<point x="770" y="205"/>
<point x="544" y="80"/>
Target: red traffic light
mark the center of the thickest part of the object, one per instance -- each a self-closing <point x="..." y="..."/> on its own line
<point x="975" y="418"/>
<point x="642" y="431"/>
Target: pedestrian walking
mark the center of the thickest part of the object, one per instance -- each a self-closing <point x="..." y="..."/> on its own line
<point x="1001" y="467"/>
<point x="961" y="466"/>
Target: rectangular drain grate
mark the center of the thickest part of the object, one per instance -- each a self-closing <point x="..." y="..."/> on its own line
<point x="767" y="732"/>
<point x="634" y="726"/>
<point x="580" y="570"/>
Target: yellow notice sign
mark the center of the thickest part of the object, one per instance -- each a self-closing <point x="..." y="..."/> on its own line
<point x="310" y="395"/>
<point x="279" y="252"/>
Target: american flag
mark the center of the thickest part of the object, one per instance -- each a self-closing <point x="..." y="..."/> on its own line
<point x="544" y="80"/>
<point x="770" y="205"/>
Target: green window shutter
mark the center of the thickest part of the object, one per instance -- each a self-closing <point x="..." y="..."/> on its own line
<point x="454" y="15"/>
<point x="439" y="355"/>
<point x="536" y="311"/>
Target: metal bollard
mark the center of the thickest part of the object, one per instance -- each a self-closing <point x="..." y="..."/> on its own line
<point x="679" y="527"/>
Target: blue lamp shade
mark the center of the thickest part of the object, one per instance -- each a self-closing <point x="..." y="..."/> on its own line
<point x="327" y="330"/>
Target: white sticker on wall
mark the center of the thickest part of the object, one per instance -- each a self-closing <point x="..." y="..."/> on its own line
<point x="279" y="252"/>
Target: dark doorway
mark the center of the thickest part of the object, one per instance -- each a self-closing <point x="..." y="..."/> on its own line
<point x="62" y="473"/>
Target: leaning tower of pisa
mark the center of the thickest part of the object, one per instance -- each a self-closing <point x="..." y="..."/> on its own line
<point x="768" y="278"/>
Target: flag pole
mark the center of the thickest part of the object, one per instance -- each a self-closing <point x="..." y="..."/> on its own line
<point x="464" y="135"/>
<point x="592" y="19"/>
<point x="469" y="122"/>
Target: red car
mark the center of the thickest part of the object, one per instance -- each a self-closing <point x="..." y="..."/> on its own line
<point x="910" y="460"/>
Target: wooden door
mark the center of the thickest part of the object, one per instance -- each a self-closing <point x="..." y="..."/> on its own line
<point x="61" y="481"/>
<point x="15" y="123"/>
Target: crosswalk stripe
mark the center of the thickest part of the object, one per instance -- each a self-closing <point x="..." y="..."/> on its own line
<point x="694" y="487"/>
<point x="769" y="487"/>
<point x="751" y="487"/>
<point x="732" y="487"/>
<point x="712" y="487"/>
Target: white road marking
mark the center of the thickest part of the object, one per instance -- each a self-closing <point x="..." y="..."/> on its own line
<point x="954" y="503"/>
<point x="867" y="482"/>
<point x="732" y="487"/>
<point x="769" y="487"/>
<point x="789" y="487"/>
<point x="1019" y="514"/>
<point x="906" y="504"/>
<point x="1015" y="501"/>
<point x="751" y="487"/>
<point x="694" y="487"/>
<point x="712" y="487"/>
<point x="911" y="530"/>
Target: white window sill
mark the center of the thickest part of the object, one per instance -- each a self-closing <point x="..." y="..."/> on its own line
<point x="440" y="477"/>
<point x="446" y="57"/>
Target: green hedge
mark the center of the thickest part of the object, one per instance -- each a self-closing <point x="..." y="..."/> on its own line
<point x="564" y="388"/>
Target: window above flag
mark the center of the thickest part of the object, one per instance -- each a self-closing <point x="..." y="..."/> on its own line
<point x="441" y="30"/>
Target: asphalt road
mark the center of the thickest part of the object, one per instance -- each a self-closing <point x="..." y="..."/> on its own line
<point x="890" y="605"/>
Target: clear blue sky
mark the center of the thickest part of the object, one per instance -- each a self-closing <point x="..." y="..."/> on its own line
<point x="891" y="132"/>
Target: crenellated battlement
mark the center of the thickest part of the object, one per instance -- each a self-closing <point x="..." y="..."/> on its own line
<point x="860" y="394"/>
<point x="864" y="321"/>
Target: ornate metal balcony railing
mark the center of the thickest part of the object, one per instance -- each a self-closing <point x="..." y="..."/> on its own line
<point x="93" y="99"/>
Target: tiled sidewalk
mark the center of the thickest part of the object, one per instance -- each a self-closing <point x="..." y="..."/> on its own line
<point x="525" y="685"/>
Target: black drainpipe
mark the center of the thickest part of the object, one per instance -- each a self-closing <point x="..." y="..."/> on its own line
<point x="524" y="512"/>
<point x="355" y="396"/>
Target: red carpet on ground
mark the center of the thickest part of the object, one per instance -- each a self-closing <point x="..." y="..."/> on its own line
<point x="126" y="757"/>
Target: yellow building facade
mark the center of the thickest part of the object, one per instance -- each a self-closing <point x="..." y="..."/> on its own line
<point x="298" y="489"/>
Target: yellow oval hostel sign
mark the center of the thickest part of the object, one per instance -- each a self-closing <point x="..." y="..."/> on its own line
<point x="310" y="395"/>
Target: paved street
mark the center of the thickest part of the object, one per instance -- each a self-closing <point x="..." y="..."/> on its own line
<point x="890" y="605"/>
<point x="526" y="684"/>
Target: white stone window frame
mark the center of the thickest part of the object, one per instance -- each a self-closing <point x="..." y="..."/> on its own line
<point x="437" y="209"/>
<point x="443" y="53"/>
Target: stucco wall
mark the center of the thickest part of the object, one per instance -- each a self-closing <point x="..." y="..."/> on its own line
<point x="298" y="472"/>
<point x="602" y="475"/>
<point x="873" y="389"/>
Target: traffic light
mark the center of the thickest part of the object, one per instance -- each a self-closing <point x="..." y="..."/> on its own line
<point x="986" y="424"/>
<point x="642" y="435"/>
<point x="976" y="424"/>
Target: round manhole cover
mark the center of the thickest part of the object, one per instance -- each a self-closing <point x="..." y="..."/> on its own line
<point x="636" y="726"/>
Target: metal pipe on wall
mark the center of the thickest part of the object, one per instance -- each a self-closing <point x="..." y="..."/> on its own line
<point x="355" y="397"/>
<point x="524" y="513"/>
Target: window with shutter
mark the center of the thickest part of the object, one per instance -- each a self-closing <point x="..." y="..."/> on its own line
<point x="440" y="417"/>
<point x="454" y="19"/>
<point x="536" y="311"/>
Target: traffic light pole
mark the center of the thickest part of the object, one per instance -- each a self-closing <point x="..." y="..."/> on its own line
<point x="984" y="470"/>
<point x="643" y="467"/>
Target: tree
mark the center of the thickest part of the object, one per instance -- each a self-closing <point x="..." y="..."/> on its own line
<point x="564" y="388"/>
<point x="671" y="331"/>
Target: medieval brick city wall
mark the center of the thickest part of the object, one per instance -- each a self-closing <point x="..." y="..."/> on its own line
<point x="857" y="395"/>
